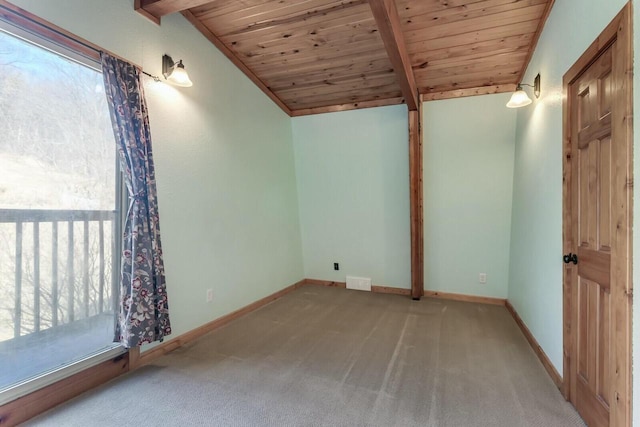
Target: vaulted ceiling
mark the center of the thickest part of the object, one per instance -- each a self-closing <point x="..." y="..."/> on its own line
<point x="313" y="56"/>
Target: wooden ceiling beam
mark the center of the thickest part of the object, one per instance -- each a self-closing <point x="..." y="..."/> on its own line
<point x="461" y="93"/>
<point x="347" y="107"/>
<point x="389" y="27"/>
<point x="156" y="9"/>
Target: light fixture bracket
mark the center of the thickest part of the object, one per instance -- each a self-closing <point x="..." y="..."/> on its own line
<point x="520" y="97"/>
<point x="174" y="72"/>
<point x="167" y="65"/>
<point x="535" y="86"/>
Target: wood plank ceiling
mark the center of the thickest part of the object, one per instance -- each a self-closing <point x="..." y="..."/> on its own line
<point x="312" y="56"/>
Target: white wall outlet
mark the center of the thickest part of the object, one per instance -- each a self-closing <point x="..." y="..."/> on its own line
<point x="482" y="278"/>
<point x="209" y="295"/>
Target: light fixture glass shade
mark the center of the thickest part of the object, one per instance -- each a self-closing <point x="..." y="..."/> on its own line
<point x="179" y="76"/>
<point x="519" y="99"/>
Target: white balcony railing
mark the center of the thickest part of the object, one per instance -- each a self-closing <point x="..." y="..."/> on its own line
<point x="62" y="266"/>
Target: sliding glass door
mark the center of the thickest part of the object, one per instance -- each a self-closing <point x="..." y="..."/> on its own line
<point x="59" y="211"/>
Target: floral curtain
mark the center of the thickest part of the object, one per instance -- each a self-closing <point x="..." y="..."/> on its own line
<point x="143" y="313"/>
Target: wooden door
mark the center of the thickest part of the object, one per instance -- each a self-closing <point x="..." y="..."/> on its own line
<point x="591" y="129"/>
<point x="598" y="184"/>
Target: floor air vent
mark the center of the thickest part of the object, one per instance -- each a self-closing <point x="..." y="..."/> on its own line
<point x="358" y="283"/>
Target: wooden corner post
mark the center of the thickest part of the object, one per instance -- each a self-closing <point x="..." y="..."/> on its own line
<point x="389" y="25"/>
<point x="416" y="203"/>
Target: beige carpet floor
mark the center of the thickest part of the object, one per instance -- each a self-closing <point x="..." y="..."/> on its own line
<point x="332" y="357"/>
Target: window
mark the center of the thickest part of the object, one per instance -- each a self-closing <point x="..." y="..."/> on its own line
<point x="59" y="212"/>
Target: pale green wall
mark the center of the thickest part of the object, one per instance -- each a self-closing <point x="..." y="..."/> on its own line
<point x="535" y="278"/>
<point x="224" y="162"/>
<point x="353" y="188"/>
<point x="468" y="174"/>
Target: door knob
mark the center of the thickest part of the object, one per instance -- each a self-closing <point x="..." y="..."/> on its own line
<point x="570" y="258"/>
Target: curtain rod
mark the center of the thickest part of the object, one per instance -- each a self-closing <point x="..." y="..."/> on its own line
<point x="155" y="78"/>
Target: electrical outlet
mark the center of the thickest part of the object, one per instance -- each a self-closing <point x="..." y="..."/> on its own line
<point x="336" y="266"/>
<point x="209" y="295"/>
<point x="482" y="278"/>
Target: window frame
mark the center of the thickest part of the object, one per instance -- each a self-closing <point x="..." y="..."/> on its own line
<point x="19" y="23"/>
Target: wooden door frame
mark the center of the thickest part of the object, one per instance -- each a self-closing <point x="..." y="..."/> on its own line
<point x="620" y="31"/>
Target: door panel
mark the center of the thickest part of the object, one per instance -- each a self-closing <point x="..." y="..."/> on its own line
<point x="605" y="195"/>
<point x="597" y="226"/>
<point x="597" y="216"/>
<point x="592" y="180"/>
<point x="595" y="266"/>
<point x="603" y="382"/>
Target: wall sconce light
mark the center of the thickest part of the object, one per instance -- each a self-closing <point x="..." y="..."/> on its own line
<point x="520" y="97"/>
<point x="175" y="73"/>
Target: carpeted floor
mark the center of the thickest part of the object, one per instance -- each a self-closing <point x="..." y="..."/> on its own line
<point x="331" y="357"/>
